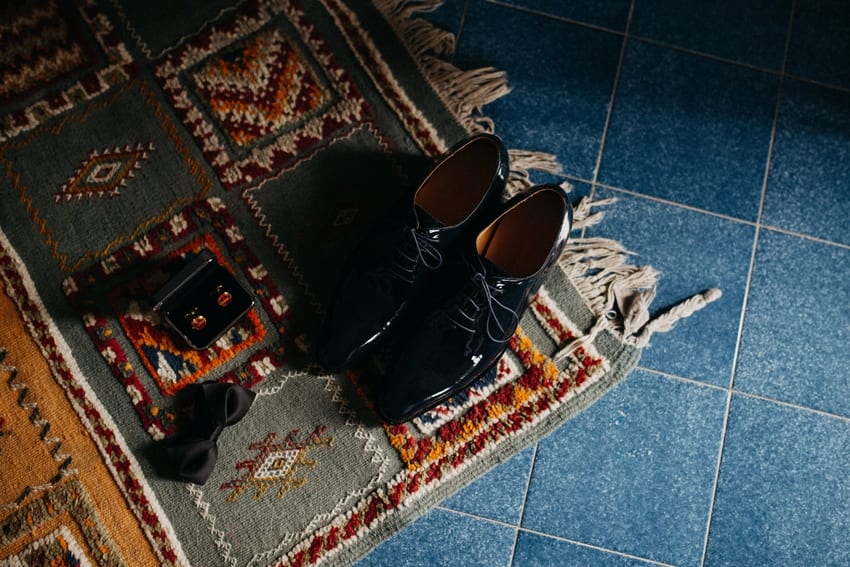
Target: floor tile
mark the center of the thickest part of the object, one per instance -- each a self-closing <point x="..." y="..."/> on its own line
<point x="611" y="14"/>
<point x="783" y="497"/>
<point x="749" y="31"/>
<point x="693" y="252"/>
<point x="820" y="41"/>
<point x="797" y="330"/>
<point x="443" y="538"/>
<point x="807" y="189"/>
<point x="499" y="494"/>
<point x="690" y="130"/>
<point x="558" y="103"/>
<point x="534" y="550"/>
<point x="633" y="473"/>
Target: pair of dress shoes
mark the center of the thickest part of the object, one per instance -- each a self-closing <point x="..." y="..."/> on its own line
<point x="452" y="274"/>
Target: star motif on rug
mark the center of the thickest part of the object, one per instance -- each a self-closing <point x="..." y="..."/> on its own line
<point x="103" y="173"/>
<point x="277" y="464"/>
<point x="259" y="89"/>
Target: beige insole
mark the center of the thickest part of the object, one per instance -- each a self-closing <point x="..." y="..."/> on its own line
<point x="519" y="241"/>
<point x="456" y="186"/>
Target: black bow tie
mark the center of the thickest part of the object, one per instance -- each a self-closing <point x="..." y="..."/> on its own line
<point x="212" y="407"/>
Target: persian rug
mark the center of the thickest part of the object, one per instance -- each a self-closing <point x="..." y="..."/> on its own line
<point x="272" y="133"/>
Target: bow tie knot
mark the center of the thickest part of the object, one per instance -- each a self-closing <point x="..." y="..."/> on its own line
<point x="212" y="407"/>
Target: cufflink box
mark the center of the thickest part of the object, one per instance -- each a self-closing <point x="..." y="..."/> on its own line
<point x="202" y="301"/>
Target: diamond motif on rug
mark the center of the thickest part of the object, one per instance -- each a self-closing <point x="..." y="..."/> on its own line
<point x="263" y="87"/>
<point x="104" y="173"/>
<point x="277" y="464"/>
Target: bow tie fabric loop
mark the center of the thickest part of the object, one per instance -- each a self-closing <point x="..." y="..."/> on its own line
<point x="194" y="460"/>
<point x="213" y="406"/>
<point x="223" y="403"/>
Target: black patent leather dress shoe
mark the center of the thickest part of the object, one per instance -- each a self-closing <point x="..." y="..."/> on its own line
<point x="467" y="335"/>
<point x="396" y="268"/>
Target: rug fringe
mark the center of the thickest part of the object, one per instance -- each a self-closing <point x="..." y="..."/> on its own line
<point x="618" y="293"/>
<point x="420" y="35"/>
<point x="523" y="162"/>
<point x="584" y="215"/>
<point x="464" y="92"/>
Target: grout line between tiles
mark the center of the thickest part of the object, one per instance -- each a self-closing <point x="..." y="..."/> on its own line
<point x="460" y="27"/>
<point x="681" y="378"/>
<point x="691" y="208"/>
<point x="524" y="500"/>
<point x="549" y="536"/>
<point x="475" y="516"/>
<point x="715" y="482"/>
<point x="626" y="34"/>
<point x="675" y="204"/>
<point x="805" y="236"/>
<point x="556" y="17"/>
<point x="817" y="83"/>
<point x="596" y="547"/>
<point x="748" y="286"/>
<point x="744" y="393"/>
<point x="791" y="405"/>
<point x="610" y="112"/>
<point x="754" y="252"/>
<point x="705" y="55"/>
<point x="673" y="46"/>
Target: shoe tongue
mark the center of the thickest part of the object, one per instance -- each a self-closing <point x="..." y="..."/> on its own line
<point x="491" y="269"/>
<point x="424" y="220"/>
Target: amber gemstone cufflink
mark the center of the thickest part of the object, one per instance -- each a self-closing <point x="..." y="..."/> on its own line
<point x="202" y="301"/>
<point x="223" y="297"/>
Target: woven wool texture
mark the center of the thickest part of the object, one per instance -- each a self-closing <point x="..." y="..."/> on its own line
<point x="272" y="133"/>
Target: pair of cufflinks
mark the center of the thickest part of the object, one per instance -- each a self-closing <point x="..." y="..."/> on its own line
<point x="202" y="301"/>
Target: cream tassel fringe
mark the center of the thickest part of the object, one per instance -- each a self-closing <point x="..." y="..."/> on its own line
<point x="522" y="162"/>
<point x="465" y="93"/>
<point x="618" y="294"/>
<point x="419" y="35"/>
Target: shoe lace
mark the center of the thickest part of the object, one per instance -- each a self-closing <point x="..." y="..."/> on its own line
<point x="419" y="249"/>
<point x="480" y="295"/>
<point x="416" y="250"/>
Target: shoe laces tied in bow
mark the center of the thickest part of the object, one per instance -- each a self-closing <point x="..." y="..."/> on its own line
<point x="481" y="296"/>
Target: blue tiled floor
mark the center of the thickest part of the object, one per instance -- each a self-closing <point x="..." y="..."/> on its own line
<point x="723" y="128"/>
<point x="690" y="129"/>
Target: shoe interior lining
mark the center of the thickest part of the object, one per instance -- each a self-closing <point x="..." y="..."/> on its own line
<point x="519" y="241"/>
<point x="459" y="183"/>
